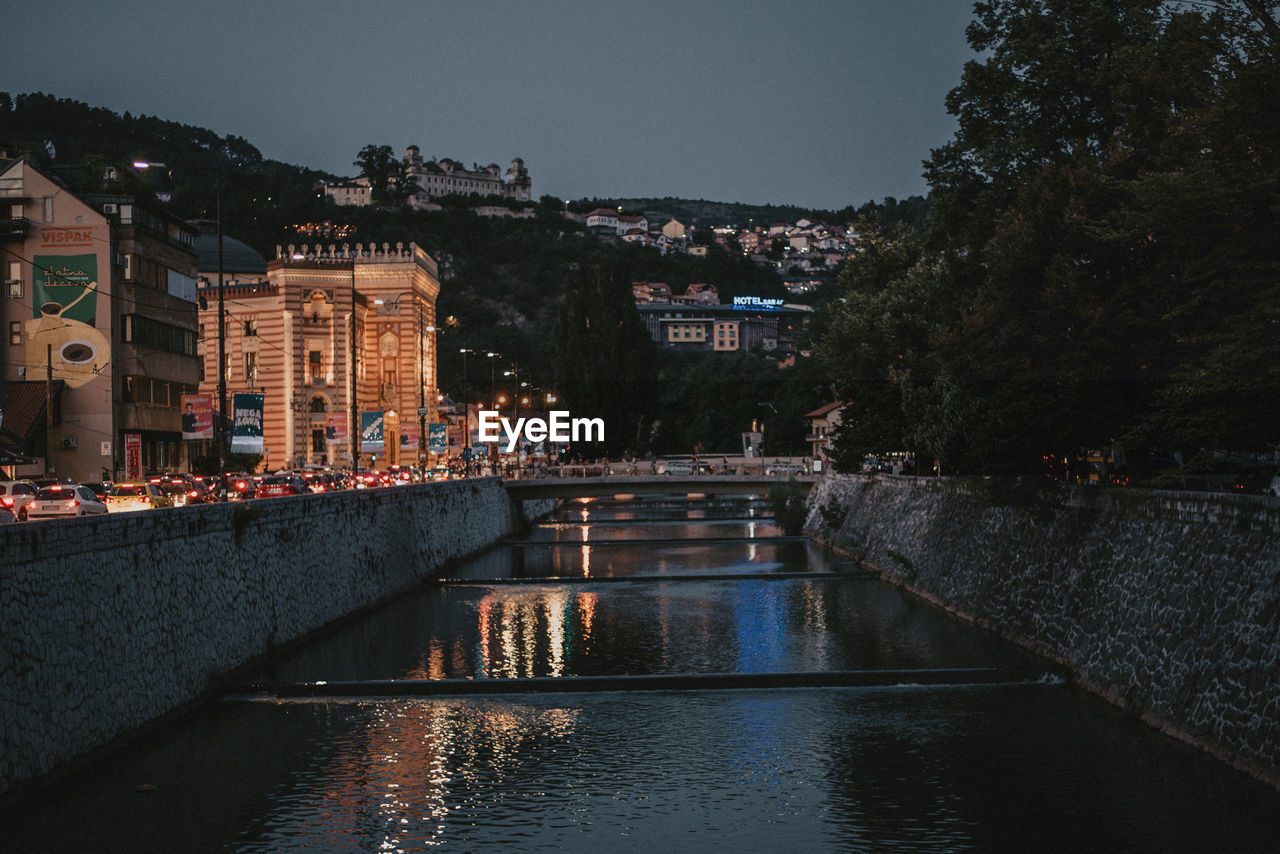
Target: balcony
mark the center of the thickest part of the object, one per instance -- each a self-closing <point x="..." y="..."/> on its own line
<point x="14" y="229"/>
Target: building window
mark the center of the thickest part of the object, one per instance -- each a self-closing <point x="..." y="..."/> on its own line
<point x="315" y="366"/>
<point x="251" y="329"/>
<point x="317" y="441"/>
<point x="15" y="331"/>
<point x="250" y="368"/>
<point x="388" y="371"/>
<point x="226" y="367"/>
<point x="13" y="284"/>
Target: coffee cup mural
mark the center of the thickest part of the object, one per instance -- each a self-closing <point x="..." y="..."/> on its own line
<point x="59" y="336"/>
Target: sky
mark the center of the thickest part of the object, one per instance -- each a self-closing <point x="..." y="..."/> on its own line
<point x="820" y="104"/>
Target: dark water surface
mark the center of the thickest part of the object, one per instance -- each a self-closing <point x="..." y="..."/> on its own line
<point x="1019" y="765"/>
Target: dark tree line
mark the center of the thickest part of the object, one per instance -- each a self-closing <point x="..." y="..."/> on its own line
<point x="1101" y="264"/>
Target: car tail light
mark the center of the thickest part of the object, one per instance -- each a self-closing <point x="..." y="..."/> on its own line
<point x="146" y="499"/>
<point x="7" y="502"/>
<point x="73" y="504"/>
<point x="193" y="494"/>
<point x="240" y="484"/>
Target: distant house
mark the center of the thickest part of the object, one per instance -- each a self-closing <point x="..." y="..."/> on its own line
<point x="648" y="293"/>
<point x="627" y="222"/>
<point x="699" y="293"/>
<point x="603" y="219"/>
<point x="823" y="422"/>
<point x="355" y="193"/>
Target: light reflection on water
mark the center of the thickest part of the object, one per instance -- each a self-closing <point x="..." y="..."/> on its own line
<point x="976" y="768"/>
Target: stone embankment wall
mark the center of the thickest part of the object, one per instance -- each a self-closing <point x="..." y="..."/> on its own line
<point x="1167" y="604"/>
<point x="110" y="622"/>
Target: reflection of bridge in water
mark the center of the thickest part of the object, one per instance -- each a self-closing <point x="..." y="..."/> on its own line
<point x="525" y="489"/>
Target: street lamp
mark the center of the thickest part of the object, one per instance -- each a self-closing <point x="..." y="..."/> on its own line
<point x="466" y="412"/>
<point x="492" y="374"/>
<point x="220" y="425"/>
<point x="515" y="395"/>
<point x="493" y="447"/>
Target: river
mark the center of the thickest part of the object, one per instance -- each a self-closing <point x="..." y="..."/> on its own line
<point x="923" y="733"/>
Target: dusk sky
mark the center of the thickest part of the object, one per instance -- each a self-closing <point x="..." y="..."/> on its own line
<point x="817" y="104"/>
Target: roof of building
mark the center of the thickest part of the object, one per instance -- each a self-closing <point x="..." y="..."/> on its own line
<point x="824" y="410"/>
<point x="237" y="256"/>
<point x="24" y="403"/>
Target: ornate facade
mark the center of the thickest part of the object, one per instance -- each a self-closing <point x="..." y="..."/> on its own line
<point x="291" y="338"/>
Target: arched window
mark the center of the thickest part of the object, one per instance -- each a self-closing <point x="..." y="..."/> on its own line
<point x="317" y="404"/>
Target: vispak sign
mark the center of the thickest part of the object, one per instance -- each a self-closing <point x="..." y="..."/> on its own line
<point x="559" y="428"/>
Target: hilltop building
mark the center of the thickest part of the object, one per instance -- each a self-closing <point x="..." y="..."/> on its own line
<point x="436" y="178"/>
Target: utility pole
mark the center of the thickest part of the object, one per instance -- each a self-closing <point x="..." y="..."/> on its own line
<point x="354" y="431"/>
<point x="221" y="432"/>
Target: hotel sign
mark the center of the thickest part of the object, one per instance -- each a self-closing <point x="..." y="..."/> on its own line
<point x="757" y="303"/>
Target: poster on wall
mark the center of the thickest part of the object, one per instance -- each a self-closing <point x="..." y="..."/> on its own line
<point x="437" y="442"/>
<point x="132" y="456"/>
<point x="246" y="423"/>
<point x="197" y="417"/>
<point x="370" y="431"/>
<point x="409" y="437"/>
<point x="335" y="428"/>
<point x="61" y="331"/>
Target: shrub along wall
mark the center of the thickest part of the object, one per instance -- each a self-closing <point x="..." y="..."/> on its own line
<point x="110" y="622"/>
<point x="1167" y="604"/>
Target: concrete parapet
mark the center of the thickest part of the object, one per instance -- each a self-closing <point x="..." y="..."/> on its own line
<point x="110" y="622"/>
<point x="1165" y="603"/>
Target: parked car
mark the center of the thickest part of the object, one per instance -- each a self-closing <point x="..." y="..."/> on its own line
<point x="240" y="486"/>
<point x="675" y="468"/>
<point x="203" y="491"/>
<point x="784" y="468"/>
<point x="65" y="499"/>
<point x="320" y="481"/>
<point x="137" y="495"/>
<point x="99" y="488"/>
<point x="15" y="495"/>
<point x="276" y="485"/>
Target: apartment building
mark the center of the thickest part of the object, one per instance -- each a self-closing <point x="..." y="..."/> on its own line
<point x="100" y="326"/>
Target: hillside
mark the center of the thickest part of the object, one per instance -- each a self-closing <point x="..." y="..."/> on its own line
<point x="503" y="279"/>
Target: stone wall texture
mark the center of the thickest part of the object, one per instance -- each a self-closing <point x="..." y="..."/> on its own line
<point x="110" y="622"/>
<point x="1167" y="604"/>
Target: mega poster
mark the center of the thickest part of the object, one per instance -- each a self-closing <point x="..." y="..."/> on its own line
<point x="246" y="423"/>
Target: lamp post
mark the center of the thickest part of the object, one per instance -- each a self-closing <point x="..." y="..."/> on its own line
<point x="466" y="412"/>
<point x="493" y="447"/>
<point x="220" y="423"/>
<point x="492" y="374"/>
<point x="514" y="373"/>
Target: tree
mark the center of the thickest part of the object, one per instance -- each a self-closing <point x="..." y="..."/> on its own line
<point x="379" y="164"/>
<point x="1097" y="267"/>
<point x="605" y="359"/>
